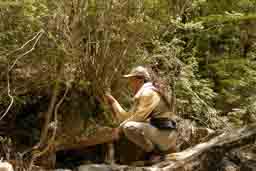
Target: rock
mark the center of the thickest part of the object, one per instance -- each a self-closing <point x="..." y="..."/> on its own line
<point x="246" y="156"/>
<point x="95" y="167"/>
<point x="104" y="167"/>
<point x="248" y="166"/>
<point x="52" y="170"/>
<point x="228" y="165"/>
<point x="5" y="166"/>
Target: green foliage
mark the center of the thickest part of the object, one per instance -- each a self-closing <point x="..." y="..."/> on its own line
<point x="205" y="50"/>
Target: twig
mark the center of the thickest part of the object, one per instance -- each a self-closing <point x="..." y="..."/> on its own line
<point x="10" y="96"/>
<point x="57" y="44"/>
<point x="200" y="120"/>
<point x="25" y="43"/>
<point x="50" y="110"/>
<point x="37" y="37"/>
<point x="33" y="47"/>
<point x="51" y="141"/>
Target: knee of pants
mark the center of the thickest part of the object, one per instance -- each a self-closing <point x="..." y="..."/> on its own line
<point x="131" y="127"/>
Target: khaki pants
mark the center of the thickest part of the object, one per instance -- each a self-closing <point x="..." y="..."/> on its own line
<point x="149" y="137"/>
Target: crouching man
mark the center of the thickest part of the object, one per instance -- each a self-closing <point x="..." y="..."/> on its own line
<point x="149" y="124"/>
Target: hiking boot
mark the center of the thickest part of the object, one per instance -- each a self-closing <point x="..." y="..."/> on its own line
<point x="154" y="157"/>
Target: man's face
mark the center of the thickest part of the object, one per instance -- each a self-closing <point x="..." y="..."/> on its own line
<point x="135" y="83"/>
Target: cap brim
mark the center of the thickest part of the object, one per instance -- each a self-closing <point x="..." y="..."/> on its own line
<point x="128" y="75"/>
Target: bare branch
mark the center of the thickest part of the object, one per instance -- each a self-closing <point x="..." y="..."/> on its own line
<point x="10" y="96"/>
<point x="25" y="44"/>
<point x="38" y="36"/>
<point x="55" y="126"/>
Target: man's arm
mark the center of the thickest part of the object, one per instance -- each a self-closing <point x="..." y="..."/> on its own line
<point x="147" y="102"/>
<point x="117" y="109"/>
<point x="120" y="113"/>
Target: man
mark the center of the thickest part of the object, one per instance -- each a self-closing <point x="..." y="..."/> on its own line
<point x="149" y="124"/>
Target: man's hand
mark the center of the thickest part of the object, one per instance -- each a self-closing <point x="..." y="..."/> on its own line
<point x="109" y="98"/>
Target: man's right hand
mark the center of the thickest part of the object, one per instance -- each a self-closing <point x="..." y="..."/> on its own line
<point x="109" y="98"/>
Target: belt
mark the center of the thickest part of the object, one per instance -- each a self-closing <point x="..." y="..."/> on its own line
<point x="163" y="123"/>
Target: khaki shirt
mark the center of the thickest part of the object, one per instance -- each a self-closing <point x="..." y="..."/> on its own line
<point x="148" y="102"/>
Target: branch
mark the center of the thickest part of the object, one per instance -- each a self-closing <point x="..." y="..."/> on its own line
<point x="55" y="125"/>
<point x="227" y="140"/>
<point x="37" y="37"/>
<point x="25" y="43"/>
<point x="10" y="96"/>
<point x="33" y="47"/>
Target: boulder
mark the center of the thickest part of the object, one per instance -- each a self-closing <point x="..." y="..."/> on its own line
<point x="95" y="167"/>
<point x="5" y="166"/>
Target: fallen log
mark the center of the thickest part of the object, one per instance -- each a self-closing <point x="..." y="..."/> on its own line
<point x="208" y="156"/>
<point x="101" y="136"/>
<point x="204" y="156"/>
<point x="188" y="135"/>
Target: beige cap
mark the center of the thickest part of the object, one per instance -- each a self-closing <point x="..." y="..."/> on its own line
<point x="139" y="71"/>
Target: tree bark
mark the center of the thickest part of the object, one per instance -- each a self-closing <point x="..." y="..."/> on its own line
<point x="102" y="136"/>
<point x="207" y="155"/>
